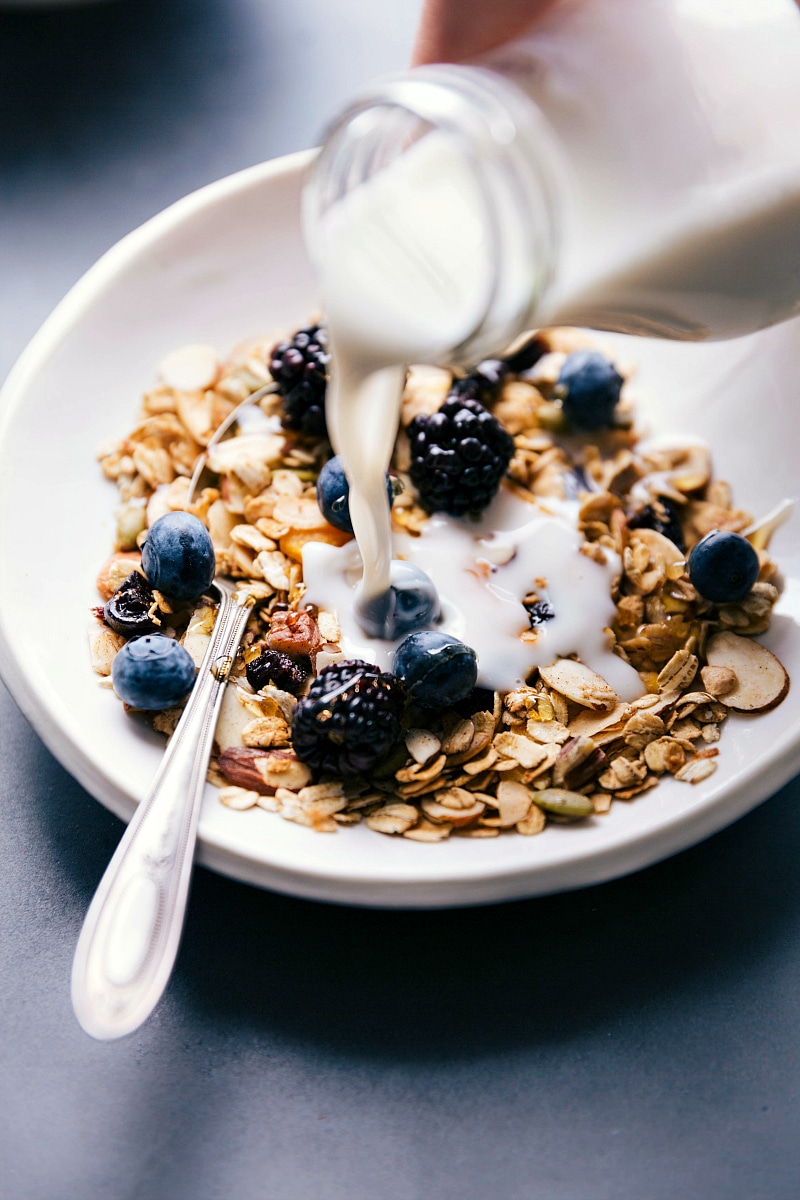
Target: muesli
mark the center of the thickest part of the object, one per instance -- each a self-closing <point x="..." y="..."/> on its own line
<point x="562" y="746"/>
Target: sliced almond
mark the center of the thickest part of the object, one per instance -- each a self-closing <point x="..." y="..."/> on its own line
<point x="696" y="770"/>
<point x="659" y="546"/>
<point x="579" y="683"/>
<point x="393" y="818"/>
<point x="514" y="802"/>
<point x="761" y="679"/>
<point x="104" y="645"/>
<point x="417" y="774"/>
<point x="422" y="744"/>
<point x="477" y="766"/>
<point x="455" y="797"/>
<point x="456" y="817"/>
<point x="426" y="831"/>
<point x="520" y="748"/>
<point x="547" y="731"/>
<point x="532" y="824"/>
<point x="760" y="532"/>
<point x="298" y="512"/>
<point x="238" y="798"/>
<point x="587" y="724"/>
<point x="460" y="737"/>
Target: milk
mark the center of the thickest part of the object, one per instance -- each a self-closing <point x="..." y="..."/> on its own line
<point x="677" y="170"/>
<point x="426" y="236"/>
<point x="482" y="571"/>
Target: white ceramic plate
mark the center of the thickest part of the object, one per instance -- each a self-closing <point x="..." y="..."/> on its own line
<point x="226" y="263"/>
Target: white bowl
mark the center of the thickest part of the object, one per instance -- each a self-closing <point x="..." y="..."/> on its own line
<point x="226" y="263"/>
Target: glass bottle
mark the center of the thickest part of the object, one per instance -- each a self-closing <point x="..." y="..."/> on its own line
<point x="625" y="166"/>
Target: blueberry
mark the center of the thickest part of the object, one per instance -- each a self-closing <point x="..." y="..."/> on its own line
<point x="333" y="494"/>
<point x="588" y="387"/>
<point x="178" y="557"/>
<point x="437" y="669"/>
<point x="153" y="672"/>
<point x="723" y="566"/>
<point x="412" y="602"/>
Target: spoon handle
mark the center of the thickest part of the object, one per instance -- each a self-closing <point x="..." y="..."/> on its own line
<point x="129" y="940"/>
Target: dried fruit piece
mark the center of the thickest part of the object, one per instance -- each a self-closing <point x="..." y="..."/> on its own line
<point x="284" y="671"/>
<point x="130" y="611"/>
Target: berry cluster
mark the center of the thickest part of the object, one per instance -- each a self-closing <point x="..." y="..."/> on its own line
<point x="349" y="720"/>
<point x="458" y="456"/>
<point x="301" y="370"/>
<point x="154" y="671"/>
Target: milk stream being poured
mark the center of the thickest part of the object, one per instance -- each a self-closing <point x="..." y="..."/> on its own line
<point x="651" y="243"/>
<point x="481" y="570"/>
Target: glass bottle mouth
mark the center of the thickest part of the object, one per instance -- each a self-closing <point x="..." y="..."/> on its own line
<point x="506" y="158"/>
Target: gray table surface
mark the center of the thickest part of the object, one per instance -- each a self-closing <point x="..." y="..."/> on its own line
<point x="637" y="1040"/>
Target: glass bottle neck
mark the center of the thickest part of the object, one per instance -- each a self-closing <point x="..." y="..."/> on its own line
<point x="468" y="180"/>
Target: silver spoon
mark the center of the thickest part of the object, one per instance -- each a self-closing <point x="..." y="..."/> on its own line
<point x="130" y="937"/>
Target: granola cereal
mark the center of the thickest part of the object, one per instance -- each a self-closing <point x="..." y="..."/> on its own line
<point x="562" y="746"/>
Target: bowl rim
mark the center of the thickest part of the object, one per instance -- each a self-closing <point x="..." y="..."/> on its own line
<point x="475" y="883"/>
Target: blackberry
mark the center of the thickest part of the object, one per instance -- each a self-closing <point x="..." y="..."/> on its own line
<point x="300" y="368"/>
<point x="663" y="515"/>
<point x="349" y="720"/>
<point x="458" y="456"/>
<point x="273" y="666"/>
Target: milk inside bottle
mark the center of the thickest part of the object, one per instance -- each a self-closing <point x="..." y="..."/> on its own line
<point x="626" y="166"/>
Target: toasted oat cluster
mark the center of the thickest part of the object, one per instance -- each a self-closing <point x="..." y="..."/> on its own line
<point x="561" y="748"/>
